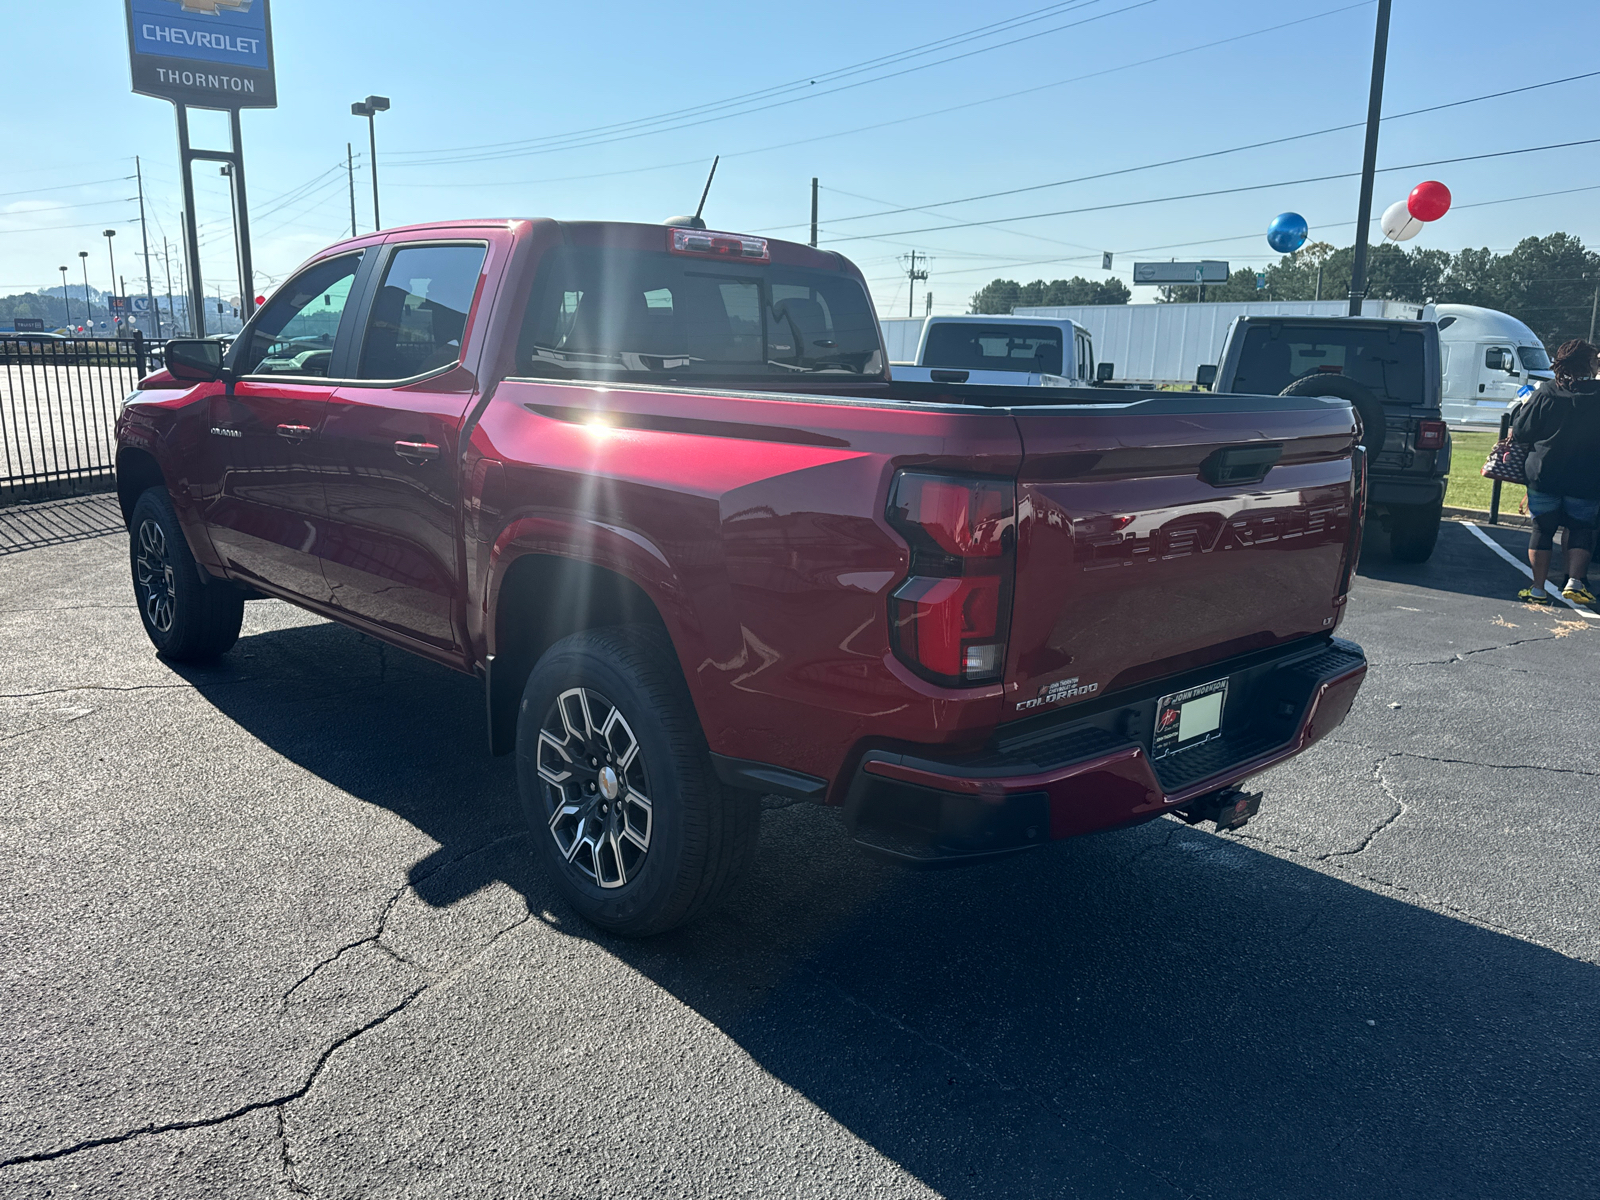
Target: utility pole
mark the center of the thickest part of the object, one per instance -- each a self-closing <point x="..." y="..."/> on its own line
<point x="813" y="211"/>
<point x="172" y="312"/>
<point x="1319" y="281"/>
<point x="65" y="303"/>
<point x="1594" y="310"/>
<point x="144" y="235"/>
<point x="913" y="275"/>
<point x="350" y="168"/>
<point x="1369" y="160"/>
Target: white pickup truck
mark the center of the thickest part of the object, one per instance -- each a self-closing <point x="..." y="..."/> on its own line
<point x="997" y="351"/>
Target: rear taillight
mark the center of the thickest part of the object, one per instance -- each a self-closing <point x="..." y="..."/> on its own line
<point x="949" y="618"/>
<point x="1358" y="521"/>
<point x="719" y="245"/>
<point x="1430" y="435"/>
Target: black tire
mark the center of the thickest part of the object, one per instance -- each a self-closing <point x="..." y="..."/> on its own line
<point x="614" y="699"/>
<point x="187" y="620"/>
<point x="1374" y="425"/>
<point x="1414" y="530"/>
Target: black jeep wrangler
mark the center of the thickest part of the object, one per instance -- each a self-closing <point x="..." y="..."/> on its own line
<point x="1389" y="371"/>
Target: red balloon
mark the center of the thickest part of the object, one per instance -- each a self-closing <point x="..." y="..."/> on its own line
<point x="261" y="299"/>
<point x="1428" y="201"/>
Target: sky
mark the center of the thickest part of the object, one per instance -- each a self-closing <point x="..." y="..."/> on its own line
<point x="615" y="111"/>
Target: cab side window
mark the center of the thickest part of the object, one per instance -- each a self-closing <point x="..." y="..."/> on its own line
<point x="295" y="331"/>
<point x="419" y="315"/>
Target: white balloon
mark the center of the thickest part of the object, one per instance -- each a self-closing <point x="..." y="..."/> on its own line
<point x="1398" y="224"/>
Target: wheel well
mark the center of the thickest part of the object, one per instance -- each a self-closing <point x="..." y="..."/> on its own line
<point x="137" y="470"/>
<point x="542" y="600"/>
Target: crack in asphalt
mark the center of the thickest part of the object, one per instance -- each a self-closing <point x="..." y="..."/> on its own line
<point x="376" y="937"/>
<point x="1399" y="811"/>
<point x="1466" y="654"/>
<point x="115" y="1139"/>
<point x="280" y="1102"/>
<point x="286" y="1162"/>
<point x="1465" y="762"/>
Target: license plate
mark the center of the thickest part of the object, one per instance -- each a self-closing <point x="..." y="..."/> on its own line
<point x="1189" y="718"/>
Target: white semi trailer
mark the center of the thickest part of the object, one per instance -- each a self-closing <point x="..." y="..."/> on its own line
<point x="1163" y="344"/>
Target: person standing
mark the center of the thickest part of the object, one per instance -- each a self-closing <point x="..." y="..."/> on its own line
<point x="1560" y="425"/>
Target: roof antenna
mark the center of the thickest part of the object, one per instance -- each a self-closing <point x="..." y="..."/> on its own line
<point x="695" y="222"/>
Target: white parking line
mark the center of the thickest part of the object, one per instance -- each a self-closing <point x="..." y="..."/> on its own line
<point x="1527" y="570"/>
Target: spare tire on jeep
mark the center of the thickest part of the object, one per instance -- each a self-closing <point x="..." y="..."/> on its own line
<point x="1367" y="406"/>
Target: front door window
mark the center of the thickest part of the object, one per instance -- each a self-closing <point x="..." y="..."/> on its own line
<point x="295" y="332"/>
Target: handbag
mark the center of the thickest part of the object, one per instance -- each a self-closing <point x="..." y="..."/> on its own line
<point x="1507" y="462"/>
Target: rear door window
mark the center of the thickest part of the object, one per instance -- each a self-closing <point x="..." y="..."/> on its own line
<point x="970" y="346"/>
<point x="419" y="315"/>
<point x="1388" y="362"/>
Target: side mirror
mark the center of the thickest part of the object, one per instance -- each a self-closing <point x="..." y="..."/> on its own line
<point x="1205" y="376"/>
<point x="1104" y="372"/>
<point x="194" y="360"/>
<point x="1495" y="360"/>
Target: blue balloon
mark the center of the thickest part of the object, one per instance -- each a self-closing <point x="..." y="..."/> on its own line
<point x="1287" y="233"/>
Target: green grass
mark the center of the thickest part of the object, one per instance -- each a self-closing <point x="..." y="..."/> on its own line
<point x="1468" y="489"/>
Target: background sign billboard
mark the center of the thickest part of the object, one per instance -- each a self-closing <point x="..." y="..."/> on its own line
<point x="28" y="324"/>
<point x="1181" y="272"/>
<point x="206" y="53"/>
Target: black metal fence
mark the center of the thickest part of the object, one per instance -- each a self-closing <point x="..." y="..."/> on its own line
<point x="59" y="399"/>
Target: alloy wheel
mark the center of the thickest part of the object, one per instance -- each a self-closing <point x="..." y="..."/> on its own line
<point x="595" y="787"/>
<point x="153" y="568"/>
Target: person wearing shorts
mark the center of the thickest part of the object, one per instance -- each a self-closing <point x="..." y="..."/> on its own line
<point x="1560" y="425"/>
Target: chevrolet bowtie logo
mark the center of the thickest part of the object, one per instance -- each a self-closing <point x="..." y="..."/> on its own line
<point x="213" y="7"/>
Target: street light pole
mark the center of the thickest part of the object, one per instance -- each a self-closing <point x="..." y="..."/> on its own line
<point x="108" y="234"/>
<point x="1369" y="161"/>
<point x="370" y="108"/>
<point x="88" y="315"/>
<point x="64" y="303"/>
<point x="233" y="211"/>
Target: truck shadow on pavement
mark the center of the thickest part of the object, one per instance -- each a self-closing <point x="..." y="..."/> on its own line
<point x="1158" y="1011"/>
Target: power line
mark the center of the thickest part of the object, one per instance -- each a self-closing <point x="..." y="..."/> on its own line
<point x="581" y="144"/>
<point x="917" y="116"/>
<point x="804" y="83"/>
<point x="1068" y="212"/>
<point x="1214" y="241"/>
<point x="66" y="186"/>
<point x="1199" y="157"/>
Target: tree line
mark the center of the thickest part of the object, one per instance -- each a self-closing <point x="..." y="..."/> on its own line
<point x="1003" y="295"/>
<point x="1549" y="283"/>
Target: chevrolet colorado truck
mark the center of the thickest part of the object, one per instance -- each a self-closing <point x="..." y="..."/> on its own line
<point x="1389" y="372"/>
<point x="656" y="487"/>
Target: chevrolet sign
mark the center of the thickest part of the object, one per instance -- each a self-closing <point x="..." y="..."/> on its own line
<point x="205" y="53"/>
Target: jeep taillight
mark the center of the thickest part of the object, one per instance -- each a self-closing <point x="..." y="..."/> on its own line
<point x="1430" y="435"/>
<point x="950" y="616"/>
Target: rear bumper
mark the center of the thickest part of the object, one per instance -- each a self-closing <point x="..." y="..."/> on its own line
<point x="1095" y="772"/>
<point x="1404" y="491"/>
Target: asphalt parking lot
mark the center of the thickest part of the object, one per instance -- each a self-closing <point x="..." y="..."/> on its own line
<point x="272" y="929"/>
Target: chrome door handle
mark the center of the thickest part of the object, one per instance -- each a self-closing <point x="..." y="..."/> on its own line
<point x="417" y="453"/>
<point x="294" y="433"/>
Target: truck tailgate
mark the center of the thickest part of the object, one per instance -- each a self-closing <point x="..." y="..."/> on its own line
<point x="1150" y="543"/>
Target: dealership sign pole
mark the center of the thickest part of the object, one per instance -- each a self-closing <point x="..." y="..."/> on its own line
<point x="206" y="54"/>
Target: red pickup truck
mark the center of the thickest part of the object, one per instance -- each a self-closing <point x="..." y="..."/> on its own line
<point x="655" y="486"/>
